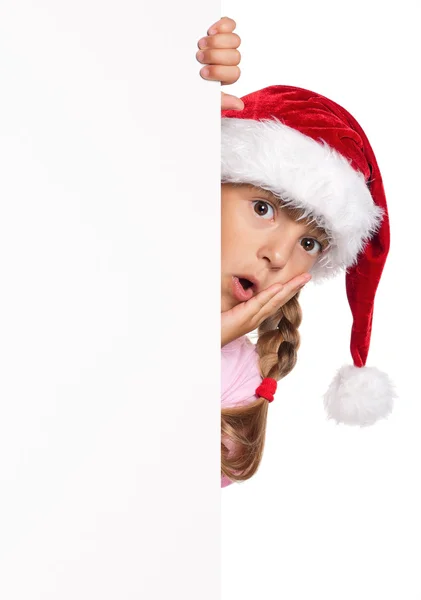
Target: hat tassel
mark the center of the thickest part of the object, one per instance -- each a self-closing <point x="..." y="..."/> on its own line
<point x="359" y="396"/>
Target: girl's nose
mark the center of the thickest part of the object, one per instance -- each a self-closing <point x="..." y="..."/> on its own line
<point x="278" y="252"/>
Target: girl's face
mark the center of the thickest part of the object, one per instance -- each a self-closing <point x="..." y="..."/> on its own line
<point x="261" y="240"/>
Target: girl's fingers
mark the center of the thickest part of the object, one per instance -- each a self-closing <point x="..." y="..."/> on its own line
<point x="289" y="290"/>
<point x="292" y="287"/>
<point x="296" y="288"/>
<point x="218" y="56"/>
<point x="226" y="75"/>
<point x="260" y="302"/>
<point x="247" y="316"/>
<point x="270" y="300"/>
<point x="220" y="40"/>
<point x="230" y="102"/>
<point x="224" y="25"/>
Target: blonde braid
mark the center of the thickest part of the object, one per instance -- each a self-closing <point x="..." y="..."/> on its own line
<point x="243" y="428"/>
<point x="279" y="340"/>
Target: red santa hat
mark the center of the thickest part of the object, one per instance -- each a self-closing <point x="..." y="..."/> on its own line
<point x="313" y="154"/>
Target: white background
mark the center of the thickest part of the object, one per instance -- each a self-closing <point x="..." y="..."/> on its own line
<point x="335" y="512"/>
<point x="109" y="302"/>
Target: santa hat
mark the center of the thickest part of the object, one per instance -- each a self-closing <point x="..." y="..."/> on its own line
<point x="313" y="154"/>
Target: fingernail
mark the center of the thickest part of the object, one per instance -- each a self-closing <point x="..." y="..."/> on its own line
<point x="205" y="72"/>
<point x="212" y="31"/>
<point x="202" y="43"/>
<point x="200" y="56"/>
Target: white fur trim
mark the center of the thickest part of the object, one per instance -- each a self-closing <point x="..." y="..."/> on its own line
<point x="305" y="174"/>
<point x="359" y="396"/>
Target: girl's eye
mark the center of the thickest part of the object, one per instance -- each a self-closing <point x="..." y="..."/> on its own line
<point x="311" y="245"/>
<point x="263" y="207"/>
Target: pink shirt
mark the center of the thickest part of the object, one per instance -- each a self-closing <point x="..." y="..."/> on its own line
<point x="240" y="376"/>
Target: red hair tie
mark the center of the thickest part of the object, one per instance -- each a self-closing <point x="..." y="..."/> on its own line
<point x="267" y="389"/>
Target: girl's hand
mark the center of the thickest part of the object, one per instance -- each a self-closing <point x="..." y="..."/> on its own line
<point x="247" y="316"/>
<point x="219" y="51"/>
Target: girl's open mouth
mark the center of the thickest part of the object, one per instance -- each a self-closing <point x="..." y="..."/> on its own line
<point x="242" y="288"/>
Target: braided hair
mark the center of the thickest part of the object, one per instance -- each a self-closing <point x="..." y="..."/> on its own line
<point x="243" y="427"/>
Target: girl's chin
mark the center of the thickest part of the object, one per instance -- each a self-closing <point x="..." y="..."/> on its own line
<point x="224" y="307"/>
<point x="227" y="304"/>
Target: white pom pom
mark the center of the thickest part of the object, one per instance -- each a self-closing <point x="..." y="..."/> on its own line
<point x="359" y="396"/>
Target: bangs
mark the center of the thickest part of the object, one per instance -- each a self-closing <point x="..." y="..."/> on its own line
<point x="296" y="214"/>
<point x="299" y="214"/>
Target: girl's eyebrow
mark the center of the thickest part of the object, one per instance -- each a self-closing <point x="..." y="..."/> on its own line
<point x="263" y="192"/>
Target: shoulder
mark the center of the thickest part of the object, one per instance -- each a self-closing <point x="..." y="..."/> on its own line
<point x="225" y="481"/>
<point x="240" y="373"/>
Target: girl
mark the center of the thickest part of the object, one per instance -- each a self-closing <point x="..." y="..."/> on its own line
<point x="302" y="198"/>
